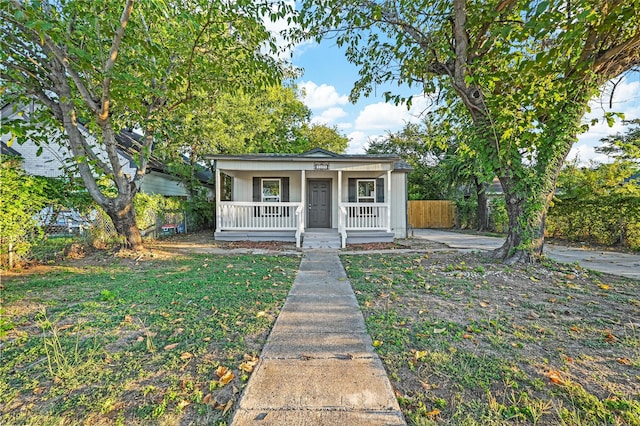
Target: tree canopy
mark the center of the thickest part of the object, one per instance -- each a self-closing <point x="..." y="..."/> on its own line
<point x="524" y="71"/>
<point x="102" y="66"/>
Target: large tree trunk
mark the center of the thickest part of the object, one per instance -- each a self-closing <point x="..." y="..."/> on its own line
<point x="525" y="238"/>
<point x="483" y="210"/>
<point x="123" y="216"/>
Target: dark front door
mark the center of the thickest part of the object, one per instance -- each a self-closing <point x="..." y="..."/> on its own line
<point x="319" y="203"/>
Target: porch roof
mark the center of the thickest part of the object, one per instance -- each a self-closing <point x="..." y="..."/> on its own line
<point x="318" y="154"/>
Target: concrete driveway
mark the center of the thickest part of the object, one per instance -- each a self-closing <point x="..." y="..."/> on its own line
<point x="623" y="264"/>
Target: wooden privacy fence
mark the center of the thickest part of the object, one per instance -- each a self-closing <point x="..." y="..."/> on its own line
<point x="432" y="214"/>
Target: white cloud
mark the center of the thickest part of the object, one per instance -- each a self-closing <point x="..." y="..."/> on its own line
<point x="357" y="142"/>
<point x="585" y="154"/>
<point x="320" y="97"/>
<point x="386" y="116"/>
<point x="329" y="116"/>
<point x="625" y="100"/>
<point x="277" y="28"/>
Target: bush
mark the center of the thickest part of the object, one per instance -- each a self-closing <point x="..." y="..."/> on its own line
<point x="599" y="205"/>
<point x="22" y="197"/>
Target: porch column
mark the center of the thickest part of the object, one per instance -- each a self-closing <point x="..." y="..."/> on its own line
<point x="218" y="192"/>
<point x="388" y="191"/>
<point x="303" y="197"/>
<point x="339" y="189"/>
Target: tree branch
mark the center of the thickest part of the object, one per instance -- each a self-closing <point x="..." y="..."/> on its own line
<point x="103" y="112"/>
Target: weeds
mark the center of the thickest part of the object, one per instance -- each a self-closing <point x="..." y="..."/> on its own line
<point x="137" y="342"/>
<point x="471" y="342"/>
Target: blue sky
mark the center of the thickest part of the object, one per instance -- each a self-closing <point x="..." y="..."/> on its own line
<point x="328" y="78"/>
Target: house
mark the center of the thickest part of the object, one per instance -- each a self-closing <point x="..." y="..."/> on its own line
<point x="51" y="159"/>
<point x="284" y="197"/>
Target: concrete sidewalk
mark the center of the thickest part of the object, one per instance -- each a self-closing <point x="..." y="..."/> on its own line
<point x="610" y="262"/>
<point x="318" y="366"/>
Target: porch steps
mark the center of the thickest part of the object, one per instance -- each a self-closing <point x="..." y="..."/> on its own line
<point x="321" y="238"/>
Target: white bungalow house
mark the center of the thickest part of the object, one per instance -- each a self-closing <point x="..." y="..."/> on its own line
<point x="285" y="197"/>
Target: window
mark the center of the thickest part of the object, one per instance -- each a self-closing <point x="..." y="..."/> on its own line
<point x="271" y="191"/>
<point x="366" y="191"/>
<point x="226" y="190"/>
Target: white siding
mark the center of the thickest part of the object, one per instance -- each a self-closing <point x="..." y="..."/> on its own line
<point x="399" y="204"/>
<point x="156" y="183"/>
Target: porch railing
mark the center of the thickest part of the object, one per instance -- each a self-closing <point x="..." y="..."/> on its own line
<point x="237" y="215"/>
<point x="365" y="216"/>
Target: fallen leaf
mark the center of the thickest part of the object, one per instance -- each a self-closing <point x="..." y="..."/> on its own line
<point x="128" y="319"/>
<point x="484" y="303"/>
<point x="140" y="339"/>
<point x="227" y="407"/>
<point x="624" y="361"/>
<point x="420" y="355"/>
<point x="64" y="327"/>
<point x="221" y="370"/>
<point x="534" y="279"/>
<point x="186" y="356"/>
<point x="555" y="377"/>
<point x="171" y="346"/>
<point x="246" y="367"/>
<point x="467" y="336"/>
<point x="433" y="412"/>
<point x="605" y="286"/>
<point x="439" y="330"/>
<point x="224" y="380"/>
<point x="377" y="343"/>
<point x="206" y="399"/>
<point x="184" y="403"/>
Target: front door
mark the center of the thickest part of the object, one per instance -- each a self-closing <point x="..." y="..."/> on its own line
<point x="319" y="198"/>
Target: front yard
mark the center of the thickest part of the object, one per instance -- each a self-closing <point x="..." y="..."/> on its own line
<point x="468" y="341"/>
<point x="120" y="341"/>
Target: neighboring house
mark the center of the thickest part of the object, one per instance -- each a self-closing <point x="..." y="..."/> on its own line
<point x="51" y="160"/>
<point x="280" y="197"/>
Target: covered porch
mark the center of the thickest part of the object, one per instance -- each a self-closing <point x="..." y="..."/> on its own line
<point x="265" y="198"/>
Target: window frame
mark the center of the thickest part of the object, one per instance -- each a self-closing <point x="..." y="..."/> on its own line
<point x="271" y="211"/>
<point x="371" y="197"/>
<point x="276" y="198"/>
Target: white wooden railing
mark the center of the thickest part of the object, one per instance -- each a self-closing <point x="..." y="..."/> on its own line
<point x="342" y="225"/>
<point x="365" y="216"/>
<point x="237" y="215"/>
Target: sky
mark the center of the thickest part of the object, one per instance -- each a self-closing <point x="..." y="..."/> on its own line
<point x="328" y="77"/>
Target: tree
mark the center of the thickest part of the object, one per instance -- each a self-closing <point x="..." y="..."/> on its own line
<point x="112" y="65"/>
<point x="441" y="159"/>
<point x="524" y="70"/>
<point x="423" y="151"/>
<point x="323" y="136"/>
<point x="623" y="146"/>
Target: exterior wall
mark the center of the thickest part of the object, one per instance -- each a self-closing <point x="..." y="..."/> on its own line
<point x="54" y="157"/>
<point x="399" y="204"/>
<point x="243" y="185"/>
<point x="243" y="189"/>
<point x="155" y="183"/>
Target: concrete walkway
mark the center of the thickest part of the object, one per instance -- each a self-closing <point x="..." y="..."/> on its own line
<point x="318" y="366"/>
<point x="610" y="262"/>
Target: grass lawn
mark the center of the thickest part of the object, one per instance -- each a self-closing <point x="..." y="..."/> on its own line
<point x="467" y="341"/>
<point x="123" y="342"/>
